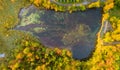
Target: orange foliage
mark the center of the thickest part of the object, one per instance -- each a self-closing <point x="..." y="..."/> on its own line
<point x="19" y="56"/>
<point x="58" y="51"/>
<point x="108" y="7"/>
<point x="29" y="55"/>
<point x="37" y="2"/>
<point x="12" y="0"/>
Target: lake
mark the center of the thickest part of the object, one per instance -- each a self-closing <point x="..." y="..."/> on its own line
<point x="75" y="31"/>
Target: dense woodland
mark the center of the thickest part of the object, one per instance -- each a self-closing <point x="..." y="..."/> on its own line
<point x="30" y="54"/>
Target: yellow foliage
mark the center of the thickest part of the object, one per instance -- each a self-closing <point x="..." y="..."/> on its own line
<point x="118" y="22"/>
<point x="37" y="2"/>
<point x="40" y="67"/>
<point x="15" y="66"/>
<point x="118" y="25"/>
<point x="105" y="17"/>
<point x="32" y="59"/>
<point x="12" y="0"/>
<point x="113" y="19"/>
<point x="1" y="8"/>
<point x="34" y="44"/>
<point x="37" y="57"/>
<point x="116" y="37"/>
<point x="29" y="55"/>
<point x="95" y="4"/>
<point x="108" y="37"/>
<point x="108" y="7"/>
<point x="19" y="56"/>
<point x="26" y="50"/>
<point x="70" y="11"/>
<point x="56" y="9"/>
<point x="26" y="43"/>
<point x="69" y="53"/>
<point x="118" y="45"/>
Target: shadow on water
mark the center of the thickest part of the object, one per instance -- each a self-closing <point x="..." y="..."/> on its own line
<point x="76" y="31"/>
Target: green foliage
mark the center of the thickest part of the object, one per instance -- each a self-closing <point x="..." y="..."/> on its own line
<point x="115" y="12"/>
<point x="31" y="55"/>
<point x="9" y="12"/>
<point x="117" y="3"/>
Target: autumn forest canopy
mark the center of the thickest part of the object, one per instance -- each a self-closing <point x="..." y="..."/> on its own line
<point x="24" y="24"/>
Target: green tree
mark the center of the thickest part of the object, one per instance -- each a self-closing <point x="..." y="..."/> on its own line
<point x="117" y="3"/>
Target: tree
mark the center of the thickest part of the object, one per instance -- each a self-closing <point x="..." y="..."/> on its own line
<point x="117" y="3"/>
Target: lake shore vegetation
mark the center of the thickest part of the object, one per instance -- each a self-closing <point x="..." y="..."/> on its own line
<point x="27" y="53"/>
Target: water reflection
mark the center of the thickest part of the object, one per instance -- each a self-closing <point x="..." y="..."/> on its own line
<point x="76" y="31"/>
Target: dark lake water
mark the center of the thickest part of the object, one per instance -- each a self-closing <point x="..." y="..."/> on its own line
<point x="76" y="31"/>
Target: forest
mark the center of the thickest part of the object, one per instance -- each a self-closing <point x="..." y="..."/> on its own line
<point x="26" y="52"/>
